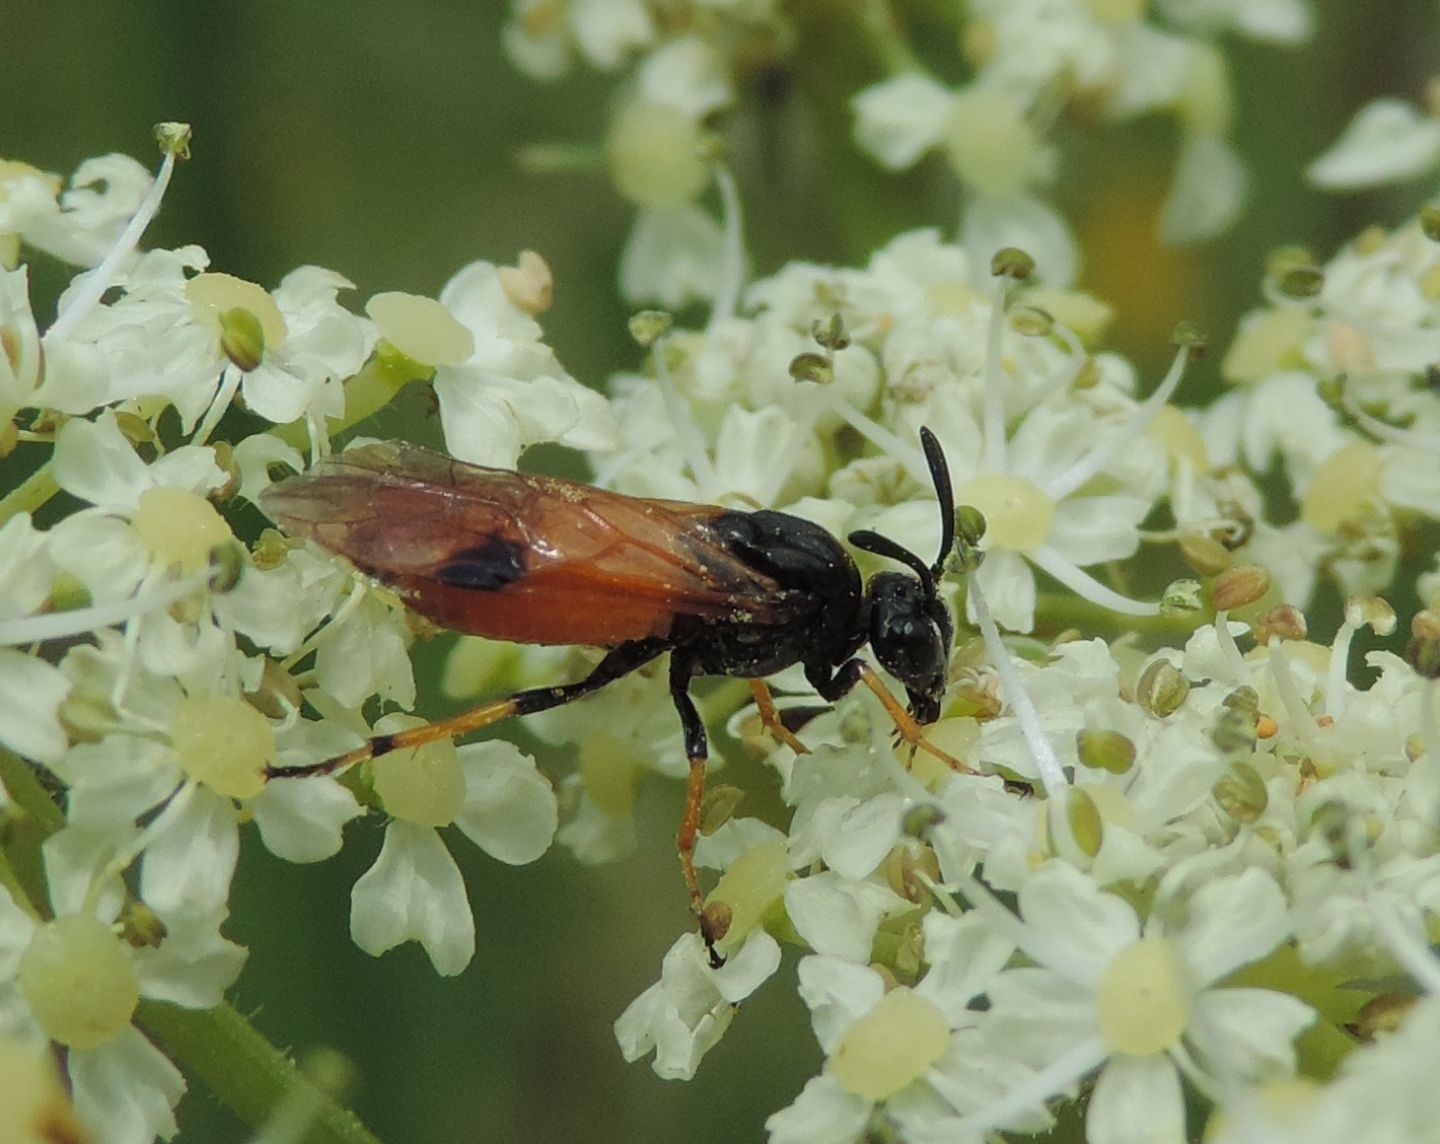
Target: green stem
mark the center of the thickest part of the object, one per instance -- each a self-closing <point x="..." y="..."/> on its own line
<point x="32" y="492"/>
<point x="250" y="1076"/>
<point x="217" y="1046"/>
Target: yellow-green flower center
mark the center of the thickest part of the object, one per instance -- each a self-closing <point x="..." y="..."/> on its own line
<point x="421" y="328"/>
<point x="222" y="742"/>
<point x="656" y="155"/>
<point x="424" y="785"/>
<point x="754" y="882"/>
<point x="1143" y="1000"/>
<point x="891" y="1046"/>
<point x="80" y="982"/>
<point x="179" y="526"/>
<point x="1018" y="513"/>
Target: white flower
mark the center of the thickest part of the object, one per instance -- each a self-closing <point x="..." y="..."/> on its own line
<point x="509" y="392"/>
<point x="683" y="1015"/>
<point x="414" y="891"/>
<point x="76" y="981"/>
<point x="1139" y="1002"/>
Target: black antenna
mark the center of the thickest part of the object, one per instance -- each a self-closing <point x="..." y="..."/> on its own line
<point x="940" y="474"/>
<point x="884" y="546"/>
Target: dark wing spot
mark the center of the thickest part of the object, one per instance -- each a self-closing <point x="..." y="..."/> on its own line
<point x="487" y="567"/>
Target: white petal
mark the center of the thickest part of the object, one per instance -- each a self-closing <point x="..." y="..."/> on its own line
<point x="671" y="255"/>
<point x="31" y="692"/>
<point x="115" y="781"/>
<point x="1208" y="190"/>
<point x="126" y="1090"/>
<point x="1388" y="141"/>
<point x="95" y="462"/>
<point x="190" y="857"/>
<point x="863" y="835"/>
<point x="26" y="572"/>
<point x="964" y="956"/>
<point x="1075" y="927"/>
<point x="1252" y="1030"/>
<point x="1232" y="922"/>
<point x="16" y="929"/>
<point x="991" y="223"/>
<point x="414" y="892"/>
<point x="1093" y="529"/>
<point x="302" y="820"/>
<point x="1009" y="588"/>
<point x="823" y="1113"/>
<point x="510" y="809"/>
<point x="838" y="993"/>
<point x="194" y="965"/>
<point x="900" y="119"/>
<point x="837" y="916"/>
<point x="749" y="968"/>
<point x="1137" y="1100"/>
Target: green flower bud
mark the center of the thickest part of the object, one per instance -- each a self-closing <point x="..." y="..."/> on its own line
<point x="1241" y="792"/>
<point x="1105" y="751"/>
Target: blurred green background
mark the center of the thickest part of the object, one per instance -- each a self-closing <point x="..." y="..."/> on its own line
<point x="379" y="140"/>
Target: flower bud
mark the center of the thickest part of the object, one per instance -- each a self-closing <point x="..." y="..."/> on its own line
<point x="1238" y="586"/>
<point x="831" y="334"/>
<point x="1012" y="262"/>
<point x="1282" y="622"/>
<point x="1241" y="792"/>
<point x="1083" y="818"/>
<point x="1105" y="751"/>
<point x="719" y="807"/>
<point x="812" y="367"/>
<point x="242" y="338"/>
<point x="529" y="284"/>
<point x="1301" y="282"/>
<point x="1162" y="689"/>
<point x="1204" y="553"/>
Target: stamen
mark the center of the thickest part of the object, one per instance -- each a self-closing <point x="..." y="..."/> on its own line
<point x="1092" y="462"/>
<point x="1228" y="647"/>
<point x="1296" y="708"/>
<point x="1082" y="583"/>
<point x="99" y="279"/>
<point x="78" y="621"/>
<point x="732" y="261"/>
<point x="887" y="442"/>
<point x="1052" y="775"/>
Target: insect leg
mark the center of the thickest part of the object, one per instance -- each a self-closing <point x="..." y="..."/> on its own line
<point x="858" y="671"/>
<point x="621" y="661"/>
<point x="697" y="751"/>
<point x="770" y="717"/>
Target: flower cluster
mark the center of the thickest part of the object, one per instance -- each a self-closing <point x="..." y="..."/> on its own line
<point x="1036" y="71"/>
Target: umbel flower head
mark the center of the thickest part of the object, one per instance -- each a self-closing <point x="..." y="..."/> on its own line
<point x="1163" y="854"/>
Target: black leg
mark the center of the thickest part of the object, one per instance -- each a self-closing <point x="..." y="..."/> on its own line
<point x="621" y="661"/>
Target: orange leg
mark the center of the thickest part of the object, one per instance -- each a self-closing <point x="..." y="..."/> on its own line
<point x="770" y="717"/>
<point x="909" y="730"/>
